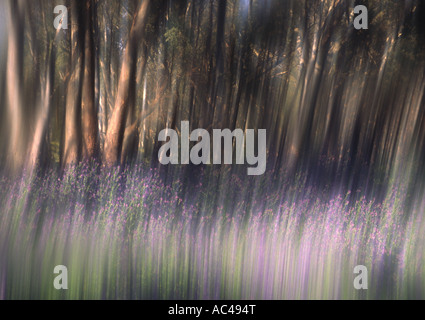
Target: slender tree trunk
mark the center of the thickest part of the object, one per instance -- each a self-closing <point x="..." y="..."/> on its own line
<point x="72" y="143"/>
<point x="16" y="152"/>
<point x="88" y="107"/>
<point x="116" y="126"/>
<point x="43" y="110"/>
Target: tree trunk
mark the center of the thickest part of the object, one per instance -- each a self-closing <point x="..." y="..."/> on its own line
<point x="88" y="108"/>
<point x="43" y="111"/>
<point x="72" y="143"/>
<point x="16" y="152"/>
<point x="116" y="126"/>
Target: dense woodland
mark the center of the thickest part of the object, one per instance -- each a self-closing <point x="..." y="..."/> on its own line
<point x="81" y="186"/>
<point x="336" y="102"/>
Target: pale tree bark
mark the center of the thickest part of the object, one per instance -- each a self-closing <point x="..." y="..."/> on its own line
<point x="14" y="81"/>
<point x="117" y="122"/>
<point x="43" y="110"/>
<point x="130" y="144"/>
<point x="72" y="134"/>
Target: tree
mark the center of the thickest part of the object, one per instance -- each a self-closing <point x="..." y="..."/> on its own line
<point x="116" y="126"/>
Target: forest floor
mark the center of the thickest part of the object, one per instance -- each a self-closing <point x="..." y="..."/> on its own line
<point x="128" y="234"/>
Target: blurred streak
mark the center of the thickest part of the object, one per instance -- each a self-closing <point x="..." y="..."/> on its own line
<point x="127" y="235"/>
<point x="14" y="75"/>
